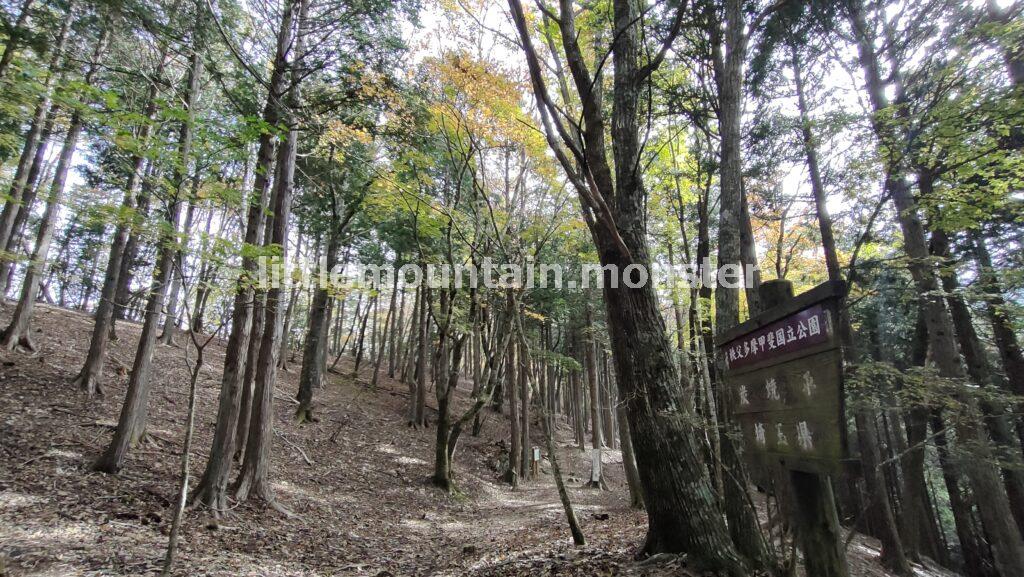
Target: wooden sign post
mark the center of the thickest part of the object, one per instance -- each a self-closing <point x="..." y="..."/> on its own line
<point x="783" y="378"/>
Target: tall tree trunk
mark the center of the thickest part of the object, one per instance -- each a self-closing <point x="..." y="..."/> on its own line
<point x="384" y="338"/>
<point x="683" y="515"/>
<point x="131" y="424"/>
<point x="314" y="353"/>
<point x="512" y="368"/>
<point x="918" y="527"/>
<point x="578" y="414"/>
<point x="893" y="556"/>
<point x="90" y="376"/>
<point x="18" y="331"/>
<point x="180" y="258"/>
<point x="977" y="560"/>
<point x="732" y="233"/>
<point x="34" y="146"/>
<point x="395" y="338"/>
<point x="828" y="241"/>
<point x="252" y="351"/>
<point x="563" y="495"/>
<point x="423" y="326"/>
<point x="525" y="446"/>
<point x="212" y="489"/>
<point x="636" y="496"/>
<point x="596" y="440"/>
<point x="1002" y="531"/>
<point x="286" y="330"/>
<point x="15" y="36"/>
<point x="999" y="427"/>
<point x="358" y="360"/>
<point x="254" y="478"/>
<point x="409" y="366"/>
<point x="998" y="314"/>
<point x="130" y="261"/>
<point x="443" y="391"/>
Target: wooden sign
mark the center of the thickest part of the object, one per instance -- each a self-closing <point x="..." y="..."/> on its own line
<point x="784" y="382"/>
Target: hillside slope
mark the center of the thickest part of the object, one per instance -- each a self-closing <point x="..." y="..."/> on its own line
<point x="356" y="483"/>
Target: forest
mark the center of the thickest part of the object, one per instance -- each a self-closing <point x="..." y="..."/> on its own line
<point x="494" y="287"/>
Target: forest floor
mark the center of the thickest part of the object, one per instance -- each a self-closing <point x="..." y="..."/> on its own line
<point x="356" y="483"/>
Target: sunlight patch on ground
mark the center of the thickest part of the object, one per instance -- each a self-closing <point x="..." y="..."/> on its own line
<point x="56" y="538"/>
<point x="387" y="449"/>
<point x="420" y="525"/>
<point x="12" y="500"/>
<point x="295" y="491"/>
<point x="61" y="454"/>
<point x="403" y="460"/>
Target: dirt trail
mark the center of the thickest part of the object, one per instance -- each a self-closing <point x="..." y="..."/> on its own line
<point x="356" y="483"/>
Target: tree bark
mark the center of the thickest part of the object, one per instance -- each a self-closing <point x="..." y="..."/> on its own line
<point x="999" y="427"/>
<point x="512" y="368"/>
<point x="525" y="446"/>
<point x="18" y="331"/>
<point x="14" y="39"/>
<point x="314" y="353"/>
<point x="998" y="314"/>
<point x="1002" y="531"/>
<point x="33" y="148"/>
<point x="636" y="496"/>
<point x="90" y="376"/>
<point x="180" y="256"/>
<point x="254" y="477"/>
<point x="131" y="426"/>
<point x="683" y="515"/>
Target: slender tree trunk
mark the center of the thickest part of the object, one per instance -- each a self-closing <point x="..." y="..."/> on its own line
<point x="254" y="478"/>
<point x="131" y="425"/>
<point x="918" y="527"/>
<point x="443" y="392"/>
<point x="314" y="348"/>
<point x="683" y="515"/>
<point x="282" y="360"/>
<point x="180" y="257"/>
<point x="512" y="388"/>
<point x="975" y="554"/>
<point x="893" y="556"/>
<point x="734" y="244"/>
<point x="420" y="401"/>
<point x="596" y="440"/>
<point x="409" y="365"/>
<point x="252" y="351"/>
<point x="608" y="401"/>
<point x="828" y="241"/>
<point x="130" y="260"/>
<point x="1001" y="530"/>
<point x="179" y="506"/>
<point x="212" y="489"/>
<point x="525" y="446"/>
<point x="563" y="495"/>
<point x="34" y="146"/>
<point x="636" y="496"/>
<point x="384" y="335"/>
<point x="999" y="427"/>
<point x="1003" y="332"/>
<point x="358" y="360"/>
<point x="18" y="331"/>
<point x="14" y="39"/>
<point x="90" y="376"/>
